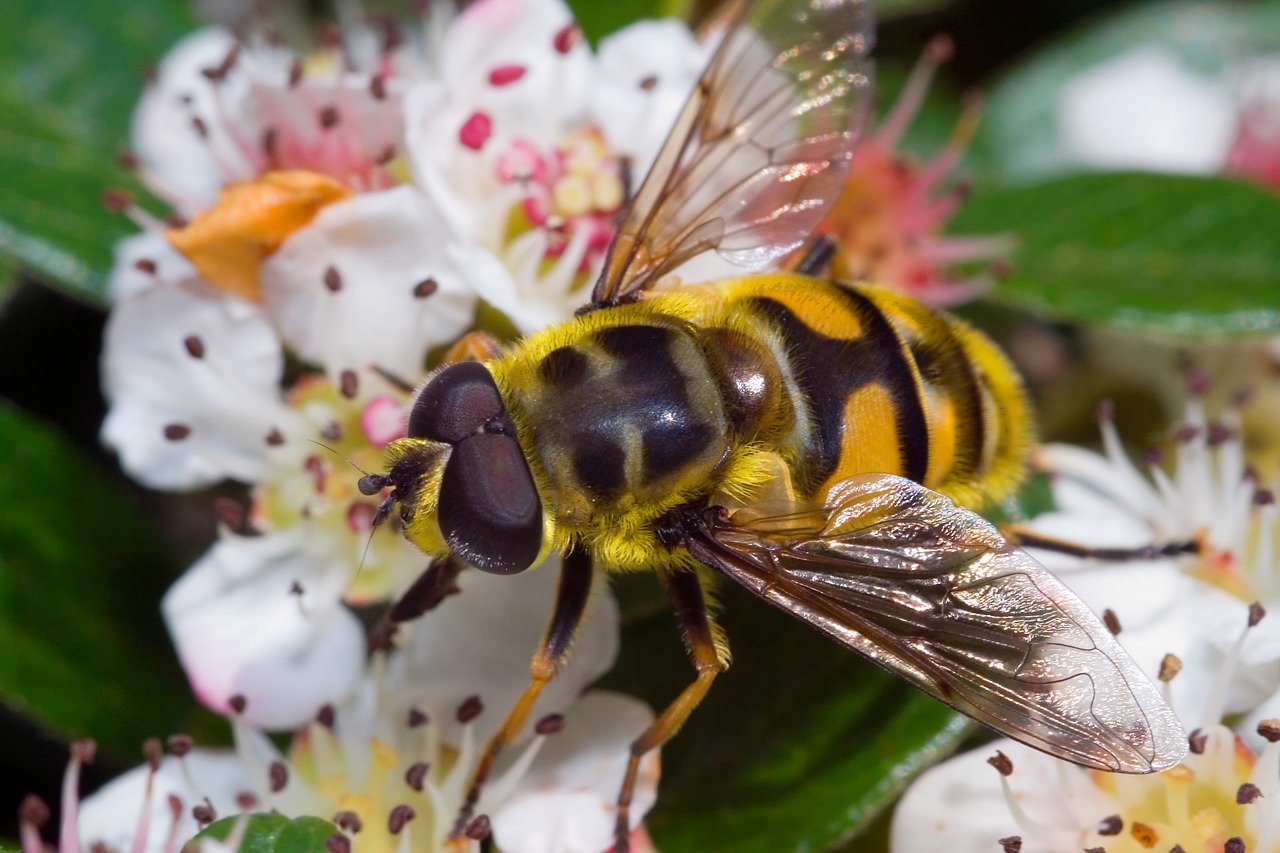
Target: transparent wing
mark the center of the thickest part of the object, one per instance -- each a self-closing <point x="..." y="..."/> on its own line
<point x="933" y="593"/>
<point x="761" y="147"/>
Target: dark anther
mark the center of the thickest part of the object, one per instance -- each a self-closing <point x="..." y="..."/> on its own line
<point x="417" y="717"/>
<point x="145" y="265"/>
<point x="329" y="116"/>
<point x="116" y="200"/>
<point x="648" y="83"/>
<point x="325" y="716"/>
<point x="1170" y="666"/>
<point x="470" y="708"/>
<point x="1264" y="497"/>
<point x="550" y="725"/>
<point x="1197" y="741"/>
<point x="1111" y="620"/>
<point x="425" y="288"/>
<point x="1270" y="730"/>
<point x="1001" y="763"/>
<point x="416" y="775"/>
<point x="386" y="155"/>
<point x="370" y="484"/>
<point x="332" y="431"/>
<point x="348" y="822"/>
<point x="337" y="843"/>
<point x="1235" y="844"/>
<point x="33" y="811"/>
<point x="378" y="87"/>
<point x="204" y="813"/>
<point x="269" y="141"/>
<point x="1012" y="844"/>
<point x="247" y="800"/>
<point x="84" y="750"/>
<point x="1256" y="612"/>
<point x="332" y="279"/>
<point x="400" y="816"/>
<point x="201" y="129"/>
<point x="1247" y="793"/>
<point x="238" y="703"/>
<point x="295" y="73"/>
<point x="1110" y="825"/>
<point x="479" y="829"/>
<point x="176" y="432"/>
<point x="153" y="752"/>
<point x="180" y="745"/>
<point x="275" y="438"/>
<point x="277" y="776"/>
<point x="349" y="384"/>
<point x="566" y="38"/>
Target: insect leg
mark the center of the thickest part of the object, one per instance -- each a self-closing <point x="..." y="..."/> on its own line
<point x="817" y="257"/>
<point x="473" y="346"/>
<point x="571" y="602"/>
<point x="710" y="656"/>
<point x="433" y="586"/>
<point x="1025" y="538"/>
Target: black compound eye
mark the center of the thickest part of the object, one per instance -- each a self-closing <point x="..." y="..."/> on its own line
<point x="489" y="509"/>
<point x="456" y="402"/>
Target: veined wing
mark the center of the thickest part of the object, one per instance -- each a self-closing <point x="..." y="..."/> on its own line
<point x="760" y="149"/>
<point x="932" y="592"/>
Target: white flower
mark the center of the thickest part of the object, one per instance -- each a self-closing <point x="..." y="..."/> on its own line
<point x="1147" y="109"/>
<point x="520" y="144"/>
<point x="1223" y="796"/>
<point x="1186" y="604"/>
<point x="394" y="758"/>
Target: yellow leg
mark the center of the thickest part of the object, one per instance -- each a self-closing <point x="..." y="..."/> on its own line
<point x="473" y="346"/>
<point x="571" y="602"/>
<point x="710" y="657"/>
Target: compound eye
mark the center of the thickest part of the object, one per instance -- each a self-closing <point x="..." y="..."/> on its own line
<point x="457" y="402"/>
<point x="489" y="512"/>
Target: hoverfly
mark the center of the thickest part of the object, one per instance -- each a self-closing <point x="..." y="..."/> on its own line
<point x="802" y="437"/>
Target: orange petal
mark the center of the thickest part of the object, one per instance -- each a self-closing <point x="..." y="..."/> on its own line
<point x="250" y="220"/>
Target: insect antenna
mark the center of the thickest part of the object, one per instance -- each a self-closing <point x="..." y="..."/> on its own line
<point x="369" y="485"/>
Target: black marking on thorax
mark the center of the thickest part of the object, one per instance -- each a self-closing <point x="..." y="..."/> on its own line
<point x="828" y="370"/>
<point x="641" y="389"/>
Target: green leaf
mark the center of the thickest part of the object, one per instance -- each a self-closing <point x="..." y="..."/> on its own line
<point x="70" y="72"/>
<point x="1018" y="137"/>
<point x="1191" y="257"/>
<point x="798" y="745"/>
<point x="80" y="574"/>
<point x="600" y="19"/>
<point x="269" y="833"/>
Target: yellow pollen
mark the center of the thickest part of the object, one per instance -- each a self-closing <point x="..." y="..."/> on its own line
<point x="1144" y="835"/>
<point x="584" y="153"/>
<point x="333" y="786"/>
<point x="606" y="192"/>
<point x="571" y="196"/>
<point x="361" y="804"/>
<point x="383" y="755"/>
<point x="1207" y="823"/>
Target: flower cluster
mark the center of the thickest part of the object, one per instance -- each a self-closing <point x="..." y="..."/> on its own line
<point x="1193" y="618"/>
<point x="336" y="218"/>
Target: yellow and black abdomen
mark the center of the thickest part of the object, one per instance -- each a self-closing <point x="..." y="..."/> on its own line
<point x="882" y="384"/>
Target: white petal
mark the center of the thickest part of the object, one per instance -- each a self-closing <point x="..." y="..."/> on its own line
<point x="170" y="266"/>
<point x="382" y="245"/>
<point x="1146" y="110"/>
<point x="228" y="397"/>
<point x="959" y="806"/>
<point x="540" y="107"/>
<point x="241" y="628"/>
<point x="173" y="157"/>
<point x="665" y="57"/>
<point x="111" y="815"/>
<point x="480" y="643"/>
<point x="565" y="804"/>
